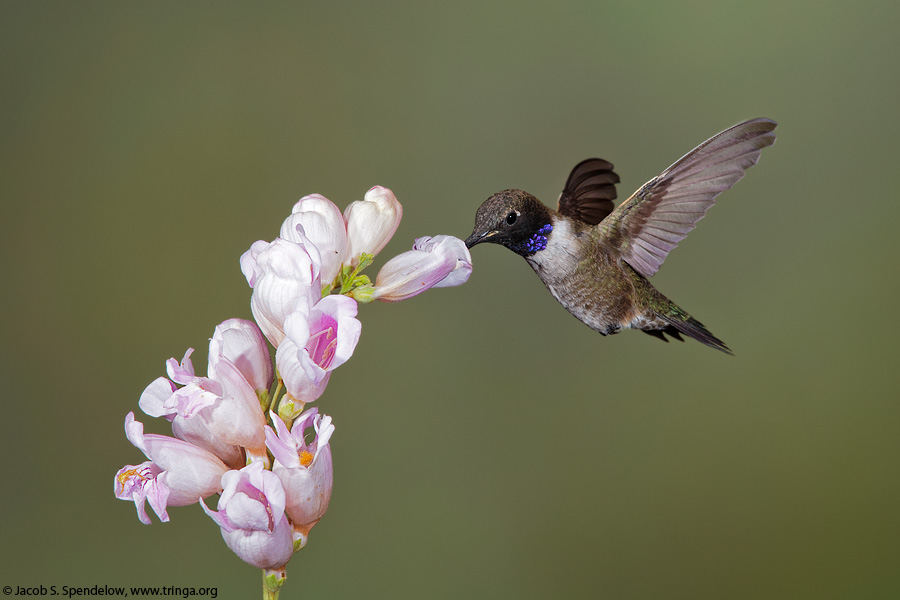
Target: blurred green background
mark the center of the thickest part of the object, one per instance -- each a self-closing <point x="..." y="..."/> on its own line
<point x="487" y="444"/>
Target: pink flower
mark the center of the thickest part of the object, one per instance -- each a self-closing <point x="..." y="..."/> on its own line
<point x="222" y="415"/>
<point x="323" y="225"/>
<point x="316" y="343"/>
<point x="251" y="516"/>
<point x="439" y="261"/>
<point x="305" y="469"/>
<point x="372" y="222"/>
<point x="178" y="474"/>
<point x="283" y="275"/>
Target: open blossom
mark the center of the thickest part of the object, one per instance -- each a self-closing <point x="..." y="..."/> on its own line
<point x="438" y="261"/>
<point x="162" y="398"/>
<point x="178" y="474"/>
<point x="371" y="222"/>
<point x="251" y="516"/>
<point x="221" y="415"/>
<point x="305" y="469"/>
<point x="282" y="274"/>
<point x="323" y="225"/>
<point x="316" y="342"/>
<point x="138" y="483"/>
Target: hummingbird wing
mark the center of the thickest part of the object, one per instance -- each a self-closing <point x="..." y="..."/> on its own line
<point x="649" y="225"/>
<point x="589" y="192"/>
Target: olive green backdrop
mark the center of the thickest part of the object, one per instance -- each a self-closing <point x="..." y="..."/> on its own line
<point x="487" y="444"/>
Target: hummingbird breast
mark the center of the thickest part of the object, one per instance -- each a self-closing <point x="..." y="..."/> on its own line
<point x="586" y="277"/>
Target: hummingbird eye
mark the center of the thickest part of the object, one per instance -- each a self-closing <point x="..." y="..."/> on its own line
<point x="511" y="218"/>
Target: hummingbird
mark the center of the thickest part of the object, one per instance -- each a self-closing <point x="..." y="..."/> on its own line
<point x="596" y="258"/>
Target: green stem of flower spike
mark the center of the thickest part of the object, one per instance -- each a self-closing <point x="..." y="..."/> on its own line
<point x="271" y="400"/>
<point x="273" y="579"/>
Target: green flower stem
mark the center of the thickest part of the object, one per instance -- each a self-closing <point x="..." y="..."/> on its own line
<point x="273" y="579"/>
<point x="274" y="397"/>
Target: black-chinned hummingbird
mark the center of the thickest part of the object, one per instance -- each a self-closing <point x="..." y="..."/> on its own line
<point x="595" y="258"/>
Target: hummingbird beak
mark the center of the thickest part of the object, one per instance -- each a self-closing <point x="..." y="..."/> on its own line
<point x="477" y="238"/>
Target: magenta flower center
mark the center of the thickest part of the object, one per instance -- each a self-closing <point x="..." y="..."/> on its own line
<point x="323" y="344"/>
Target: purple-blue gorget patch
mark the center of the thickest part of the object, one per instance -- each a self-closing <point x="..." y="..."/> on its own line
<point x="536" y="242"/>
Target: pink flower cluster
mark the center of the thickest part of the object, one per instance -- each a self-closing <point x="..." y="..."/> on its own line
<point x="268" y="458"/>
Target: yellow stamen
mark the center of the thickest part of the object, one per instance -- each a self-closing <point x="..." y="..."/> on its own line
<point x="306" y="457"/>
<point x="124" y="476"/>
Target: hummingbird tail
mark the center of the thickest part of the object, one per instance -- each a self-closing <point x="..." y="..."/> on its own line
<point x="655" y="308"/>
<point x="692" y="328"/>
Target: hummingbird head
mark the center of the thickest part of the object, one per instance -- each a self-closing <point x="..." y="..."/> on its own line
<point x="514" y="219"/>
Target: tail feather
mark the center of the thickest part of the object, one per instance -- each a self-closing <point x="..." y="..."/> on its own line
<point x="658" y="333"/>
<point x="692" y="328"/>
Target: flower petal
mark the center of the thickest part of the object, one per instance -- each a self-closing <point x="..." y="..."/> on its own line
<point x="262" y="549"/>
<point x="249" y="261"/>
<point x="154" y="398"/>
<point x="242" y="342"/>
<point x="450" y="246"/>
<point x="237" y="417"/>
<point x="343" y="311"/>
<point x="248" y="513"/>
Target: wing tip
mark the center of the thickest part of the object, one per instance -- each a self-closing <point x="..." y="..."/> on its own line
<point x="761" y="127"/>
<point x="765" y="122"/>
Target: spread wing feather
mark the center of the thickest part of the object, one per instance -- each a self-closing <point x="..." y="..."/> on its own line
<point x="589" y="191"/>
<point x="649" y="225"/>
